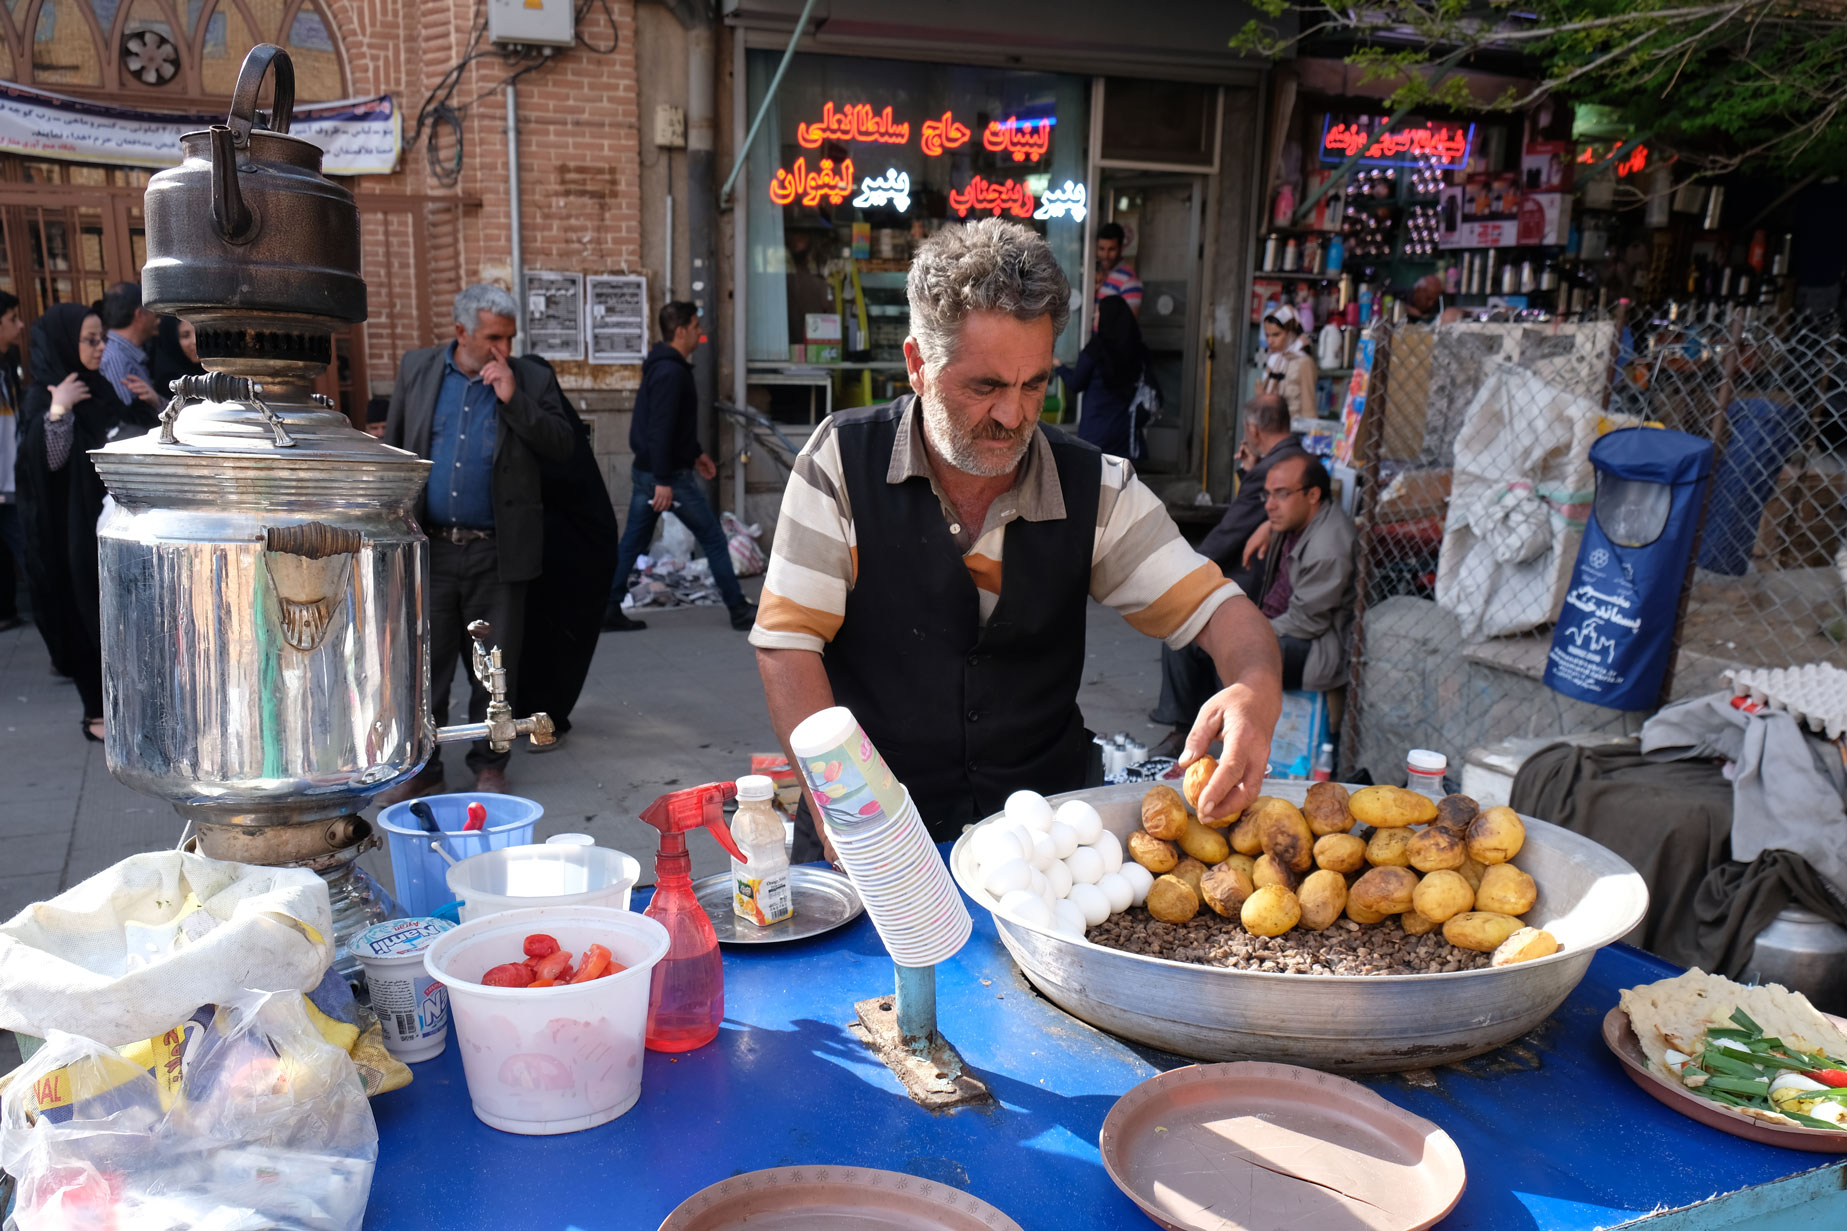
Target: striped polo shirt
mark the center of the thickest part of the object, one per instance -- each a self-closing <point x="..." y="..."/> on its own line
<point x="1122" y="281"/>
<point x="1140" y="564"/>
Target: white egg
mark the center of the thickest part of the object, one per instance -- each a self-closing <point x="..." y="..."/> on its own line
<point x="1109" y="846"/>
<point x="1068" y="919"/>
<point x="1120" y="893"/>
<point x="1027" y="907"/>
<point x="1040" y="885"/>
<point x="1140" y="880"/>
<point x="996" y="844"/>
<point x="1064" y="839"/>
<point x="1045" y="853"/>
<point x="1086" y="866"/>
<point x="1082" y="818"/>
<point x="1004" y="878"/>
<point x="1090" y="900"/>
<point x="1029" y="808"/>
<point x="1060" y="878"/>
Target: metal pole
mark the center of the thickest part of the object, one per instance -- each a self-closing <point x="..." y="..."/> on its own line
<point x="667" y="262"/>
<point x="917" y="1007"/>
<point x="513" y="222"/>
<point x="1372" y="442"/>
<point x="702" y="218"/>
<point x="769" y="96"/>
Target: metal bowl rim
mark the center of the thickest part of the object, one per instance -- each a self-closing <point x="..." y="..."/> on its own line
<point x="1002" y="922"/>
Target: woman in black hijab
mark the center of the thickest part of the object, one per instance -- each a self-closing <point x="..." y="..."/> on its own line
<point x="69" y="408"/>
<point x="174" y="354"/>
<point x="1113" y="374"/>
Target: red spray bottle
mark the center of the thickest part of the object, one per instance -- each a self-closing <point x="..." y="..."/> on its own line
<point x="686" y="1000"/>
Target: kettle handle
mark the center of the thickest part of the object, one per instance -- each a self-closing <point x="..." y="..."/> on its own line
<point x="262" y="59"/>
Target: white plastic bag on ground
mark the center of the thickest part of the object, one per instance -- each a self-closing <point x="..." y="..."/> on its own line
<point x="747" y="558"/>
<point x="673" y="543"/>
<point x="257" y="1122"/>
<point x="140" y="946"/>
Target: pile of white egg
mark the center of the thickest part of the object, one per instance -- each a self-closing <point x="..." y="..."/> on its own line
<point x="1060" y="870"/>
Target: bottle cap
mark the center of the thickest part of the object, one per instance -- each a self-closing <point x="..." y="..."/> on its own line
<point x="1426" y="761"/>
<point x="756" y="786"/>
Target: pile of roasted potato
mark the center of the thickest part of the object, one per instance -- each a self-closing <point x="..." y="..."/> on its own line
<point x="1275" y="866"/>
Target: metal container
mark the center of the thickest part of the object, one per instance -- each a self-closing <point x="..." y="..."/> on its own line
<point x="1588" y="897"/>
<point x="1805" y="953"/>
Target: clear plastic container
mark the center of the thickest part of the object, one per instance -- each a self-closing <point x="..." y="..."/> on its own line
<point x="1424" y="770"/>
<point x="760" y="883"/>
<point x="543" y="875"/>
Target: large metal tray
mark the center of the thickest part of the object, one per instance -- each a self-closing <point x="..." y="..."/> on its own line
<point x="824" y="900"/>
<point x="1588" y="897"/>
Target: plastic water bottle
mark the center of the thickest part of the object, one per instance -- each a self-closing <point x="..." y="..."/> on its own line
<point x="1324" y="765"/>
<point x="1424" y="772"/>
<point x="760" y="892"/>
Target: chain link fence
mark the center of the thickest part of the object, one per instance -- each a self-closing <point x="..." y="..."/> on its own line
<point x="1476" y="484"/>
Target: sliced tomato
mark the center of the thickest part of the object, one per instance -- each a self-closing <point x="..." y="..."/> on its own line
<point x="540" y="945"/>
<point x="615" y="968"/>
<point x="596" y="961"/>
<point x="513" y="974"/>
<point x="1829" y="1077"/>
<point x="542" y="983"/>
<point x="550" y="966"/>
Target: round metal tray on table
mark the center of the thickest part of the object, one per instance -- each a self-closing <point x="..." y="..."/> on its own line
<point x="808" y="1198"/>
<point x="1588" y="897"/>
<point x="824" y="900"/>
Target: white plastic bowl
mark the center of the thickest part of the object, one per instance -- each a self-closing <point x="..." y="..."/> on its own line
<point x="545" y="1060"/>
<point x="517" y="877"/>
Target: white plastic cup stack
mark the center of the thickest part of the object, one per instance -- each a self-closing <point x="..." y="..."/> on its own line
<point x="895" y="867"/>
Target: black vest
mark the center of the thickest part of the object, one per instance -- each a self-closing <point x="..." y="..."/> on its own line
<point x="965" y="715"/>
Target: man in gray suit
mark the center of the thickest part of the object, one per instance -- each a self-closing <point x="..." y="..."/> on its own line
<point x="485" y="420"/>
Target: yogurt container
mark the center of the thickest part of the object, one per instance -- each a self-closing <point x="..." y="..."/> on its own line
<point x="412" y="1006"/>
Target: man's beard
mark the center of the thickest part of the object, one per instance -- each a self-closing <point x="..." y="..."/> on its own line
<point x="960" y="446"/>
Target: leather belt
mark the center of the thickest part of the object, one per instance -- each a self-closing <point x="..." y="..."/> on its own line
<point x="459" y="534"/>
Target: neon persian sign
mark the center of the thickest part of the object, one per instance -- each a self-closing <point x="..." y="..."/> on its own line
<point x="1436" y="145"/>
<point x="1067" y="201"/>
<point x="1636" y="160"/>
<point x="892" y="189"/>
<point x="983" y="196"/>
<point x="854" y="122"/>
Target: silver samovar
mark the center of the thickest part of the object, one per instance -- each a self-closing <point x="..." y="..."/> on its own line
<point x="265" y="643"/>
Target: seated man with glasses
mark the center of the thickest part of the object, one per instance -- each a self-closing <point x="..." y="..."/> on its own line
<point x="1306" y="589"/>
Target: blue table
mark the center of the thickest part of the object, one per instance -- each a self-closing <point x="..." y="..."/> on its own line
<point x="1556" y="1137"/>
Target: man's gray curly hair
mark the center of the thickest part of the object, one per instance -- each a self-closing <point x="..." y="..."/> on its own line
<point x="988" y="266"/>
<point x="483" y="297"/>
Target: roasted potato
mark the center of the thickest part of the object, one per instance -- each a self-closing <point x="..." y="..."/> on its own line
<point x="1286" y="835"/>
<point x="1390" y="848"/>
<point x="1506" y="890"/>
<point x="1242" y="862"/>
<point x="1269" y="870"/>
<point x="1190" y="870"/>
<point x="1340" y="852"/>
<point x="1245" y="836"/>
<point x="1471" y="872"/>
<point x="1197" y="775"/>
<point x="1385" y="890"/>
<point x="1415" y="923"/>
<point x="1480" y="930"/>
<point x="1225" y="887"/>
<point x="1442" y="895"/>
<point x="1523" y="946"/>
<point x="1496" y="836"/>
<point x="1270" y="911"/>
<point x="1206" y="845"/>
<point x="1322" y="895"/>
<point x="1164" y="813"/>
<point x="1358" y="913"/>
<point x="1156" y="854"/>
<point x="1456" y="811"/>
<point x="1171" y="900"/>
<point x="1435" y="848"/>
<point x="1391" y="807"/>
<point x="1325" y="809"/>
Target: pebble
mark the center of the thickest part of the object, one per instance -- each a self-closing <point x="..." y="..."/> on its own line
<point x="1209" y="939"/>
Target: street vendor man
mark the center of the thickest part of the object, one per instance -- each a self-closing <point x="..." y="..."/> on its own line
<point x="934" y="556"/>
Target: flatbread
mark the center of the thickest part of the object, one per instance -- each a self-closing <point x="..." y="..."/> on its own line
<point x="1675" y="1013"/>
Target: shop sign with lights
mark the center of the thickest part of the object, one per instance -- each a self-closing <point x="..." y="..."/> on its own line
<point x="827" y="182"/>
<point x="854" y="122"/>
<point x="1068" y="201"/>
<point x="943" y="134"/>
<point x="1632" y="163"/>
<point x="891" y="190"/>
<point x="982" y="196"/>
<point x="1434" y="145"/>
<point x="1022" y="140"/>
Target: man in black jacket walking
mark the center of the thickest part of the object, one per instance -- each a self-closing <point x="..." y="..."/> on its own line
<point x="669" y="467"/>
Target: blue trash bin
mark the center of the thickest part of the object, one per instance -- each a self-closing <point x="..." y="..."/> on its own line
<point x="420" y="871"/>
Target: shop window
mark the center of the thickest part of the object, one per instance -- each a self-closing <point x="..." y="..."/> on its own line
<point x="64" y="47"/>
<point x="861" y="159"/>
<point x="317" y="60"/>
<point x="1159" y="121"/>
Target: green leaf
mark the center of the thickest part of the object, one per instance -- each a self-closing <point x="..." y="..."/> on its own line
<point x="1744" y="1020"/>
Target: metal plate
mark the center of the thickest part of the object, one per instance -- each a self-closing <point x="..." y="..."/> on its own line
<point x="1262" y="1147"/>
<point x="1588" y="897"/>
<point x="834" y="1199"/>
<point x="1619" y="1035"/>
<point x="824" y="900"/>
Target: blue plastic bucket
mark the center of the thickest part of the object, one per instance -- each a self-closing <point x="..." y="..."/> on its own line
<point x="420" y="872"/>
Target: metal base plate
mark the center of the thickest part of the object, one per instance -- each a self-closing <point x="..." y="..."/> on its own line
<point x="936" y="1079"/>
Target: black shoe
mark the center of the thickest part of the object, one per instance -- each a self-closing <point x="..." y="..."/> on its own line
<point x="1172" y="746"/>
<point x="744" y="617"/>
<point x="616" y="621"/>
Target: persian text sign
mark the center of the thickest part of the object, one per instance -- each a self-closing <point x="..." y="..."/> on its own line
<point x="1433" y="144"/>
<point x="357" y="137"/>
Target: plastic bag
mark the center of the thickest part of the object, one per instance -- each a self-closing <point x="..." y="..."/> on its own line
<point x="747" y="558"/>
<point x="252" y="1120"/>
<point x="673" y="543"/>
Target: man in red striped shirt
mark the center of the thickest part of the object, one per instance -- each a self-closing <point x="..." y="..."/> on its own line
<point x="1114" y="277"/>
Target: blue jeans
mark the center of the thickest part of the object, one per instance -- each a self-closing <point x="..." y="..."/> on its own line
<point x="690" y="506"/>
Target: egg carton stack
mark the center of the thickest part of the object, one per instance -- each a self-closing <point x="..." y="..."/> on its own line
<point x="1057" y="869"/>
<point x="1815" y="693"/>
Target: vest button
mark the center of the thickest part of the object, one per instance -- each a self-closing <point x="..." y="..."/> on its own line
<point x="974" y="715"/>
